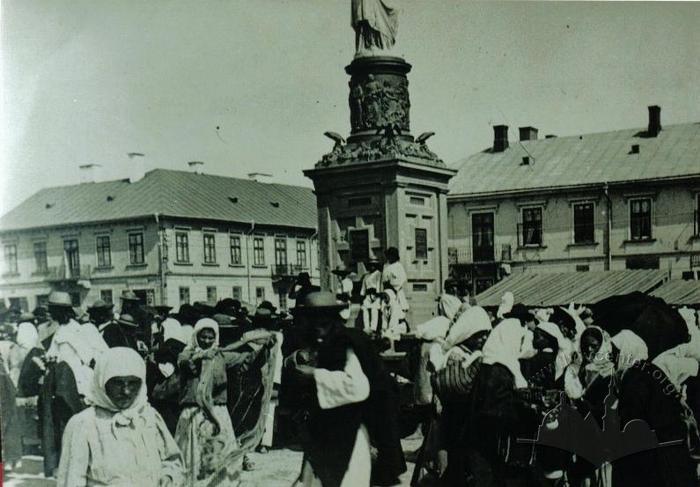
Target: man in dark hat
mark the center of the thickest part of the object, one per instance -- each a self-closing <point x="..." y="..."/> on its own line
<point x="302" y="287"/>
<point x="345" y="285"/>
<point x="370" y="289"/>
<point x="121" y="333"/>
<point x="100" y="314"/>
<point x="352" y="400"/>
<point x="130" y="303"/>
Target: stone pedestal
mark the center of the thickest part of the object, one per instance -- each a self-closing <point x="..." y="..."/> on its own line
<point x="383" y="188"/>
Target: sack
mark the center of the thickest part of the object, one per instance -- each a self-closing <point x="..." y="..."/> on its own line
<point x="168" y="389"/>
<point x="455" y="381"/>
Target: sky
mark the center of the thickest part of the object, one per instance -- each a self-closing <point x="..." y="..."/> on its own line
<point x="251" y="85"/>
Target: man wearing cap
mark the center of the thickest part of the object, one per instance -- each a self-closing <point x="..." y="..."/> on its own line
<point x="72" y="350"/>
<point x="371" y="302"/>
<point x="121" y="333"/>
<point x="100" y="314"/>
<point x="345" y="285"/>
<point x="352" y="399"/>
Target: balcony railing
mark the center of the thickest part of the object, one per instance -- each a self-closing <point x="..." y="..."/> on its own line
<point x="65" y="273"/>
<point x="288" y="270"/>
<point x="466" y="254"/>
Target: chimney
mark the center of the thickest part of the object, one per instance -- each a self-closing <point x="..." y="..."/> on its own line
<point x="196" y="166"/>
<point x="528" y="133"/>
<point x="87" y="173"/>
<point x="654" y="121"/>
<point x="500" y="138"/>
<point x="257" y="176"/>
<point x="137" y="166"/>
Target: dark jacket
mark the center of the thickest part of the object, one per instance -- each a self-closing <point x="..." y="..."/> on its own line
<point x="646" y="395"/>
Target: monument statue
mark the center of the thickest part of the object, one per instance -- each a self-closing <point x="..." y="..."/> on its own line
<point x="376" y="23"/>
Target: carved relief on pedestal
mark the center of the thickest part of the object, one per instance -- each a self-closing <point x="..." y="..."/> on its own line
<point x="378" y="100"/>
<point x="386" y="147"/>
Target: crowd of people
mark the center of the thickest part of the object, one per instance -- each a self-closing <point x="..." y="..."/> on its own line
<point x="607" y="395"/>
<point x="512" y="396"/>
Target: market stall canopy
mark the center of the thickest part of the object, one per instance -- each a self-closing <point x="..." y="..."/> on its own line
<point x="562" y="288"/>
<point x="679" y="293"/>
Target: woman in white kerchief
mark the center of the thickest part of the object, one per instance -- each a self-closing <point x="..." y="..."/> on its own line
<point x="650" y="391"/>
<point x="494" y="414"/>
<point x="204" y="431"/>
<point x="120" y="441"/>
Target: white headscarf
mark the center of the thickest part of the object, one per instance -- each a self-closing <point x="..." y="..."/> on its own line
<point x="503" y="347"/>
<point x="676" y="366"/>
<point x="119" y="362"/>
<point x="632" y="349"/>
<point x="204" y="324"/>
<point x="449" y="305"/>
<point x="507" y="302"/>
<point x="469" y="323"/>
<point x="564" y="345"/>
<point x="27" y="336"/>
<point x="172" y="329"/>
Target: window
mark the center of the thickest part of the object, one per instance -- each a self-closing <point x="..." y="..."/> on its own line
<point x="640" y="219"/>
<point x="643" y="262"/>
<point x="19" y="303"/>
<point x="106" y="296"/>
<point x="136" y="248"/>
<point x="584" y="223"/>
<point x="42" y="300"/>
<point x="583" y="268"/>
<point x="531" y="231"/>
<point x="260" y="294"/>
<point x="281" y="253"/>
<point x="301" y="254"/>
<point x="211" y="294"/>
<point x="184" y="295"/>
<point x="283" y="300"/>
<point x="235" y="245"/>
<point x="72" y="253"/>
<point x="182" y="247"/>
<point x="359" y="245"/>
<point x="482" y="237"/>
<point x="357" y="202"/>
<point x="104" y="251"/>
<point x="421" y="243"/>
<point x="209" y="248"/>
<point x="237" y="293"/>
<point x="40" y="258"/>
<point x="697" y="215"/>
<point x="421" y="288"/>
<point x="259" y="251"/>
<point x="11" y="259"/>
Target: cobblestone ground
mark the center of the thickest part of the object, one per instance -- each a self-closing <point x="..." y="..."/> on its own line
<point x="276" y="468"/>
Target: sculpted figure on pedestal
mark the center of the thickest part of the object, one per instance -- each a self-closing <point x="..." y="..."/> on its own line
<point x="376" y="23"/>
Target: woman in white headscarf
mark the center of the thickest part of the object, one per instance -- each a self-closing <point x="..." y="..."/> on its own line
<point x="27" y="339"/>
<point x="120" y="440"/>
<point x="494" y="411"/>
<point x="650" y="391"/>
<point x="204" y="431"/>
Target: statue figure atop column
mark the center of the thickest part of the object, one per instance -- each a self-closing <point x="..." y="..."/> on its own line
<point x="376" y="23"/>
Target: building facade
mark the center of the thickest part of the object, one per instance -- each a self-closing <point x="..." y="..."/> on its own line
<point x="628" y="199"/>
<point x="223" y="237"/>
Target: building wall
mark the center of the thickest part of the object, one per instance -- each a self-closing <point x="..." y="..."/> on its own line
<point x="145" y="278"/>
<point x="673" y="241"/>
<point x="197" y="275"/>
<point x="29" y="282"/>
